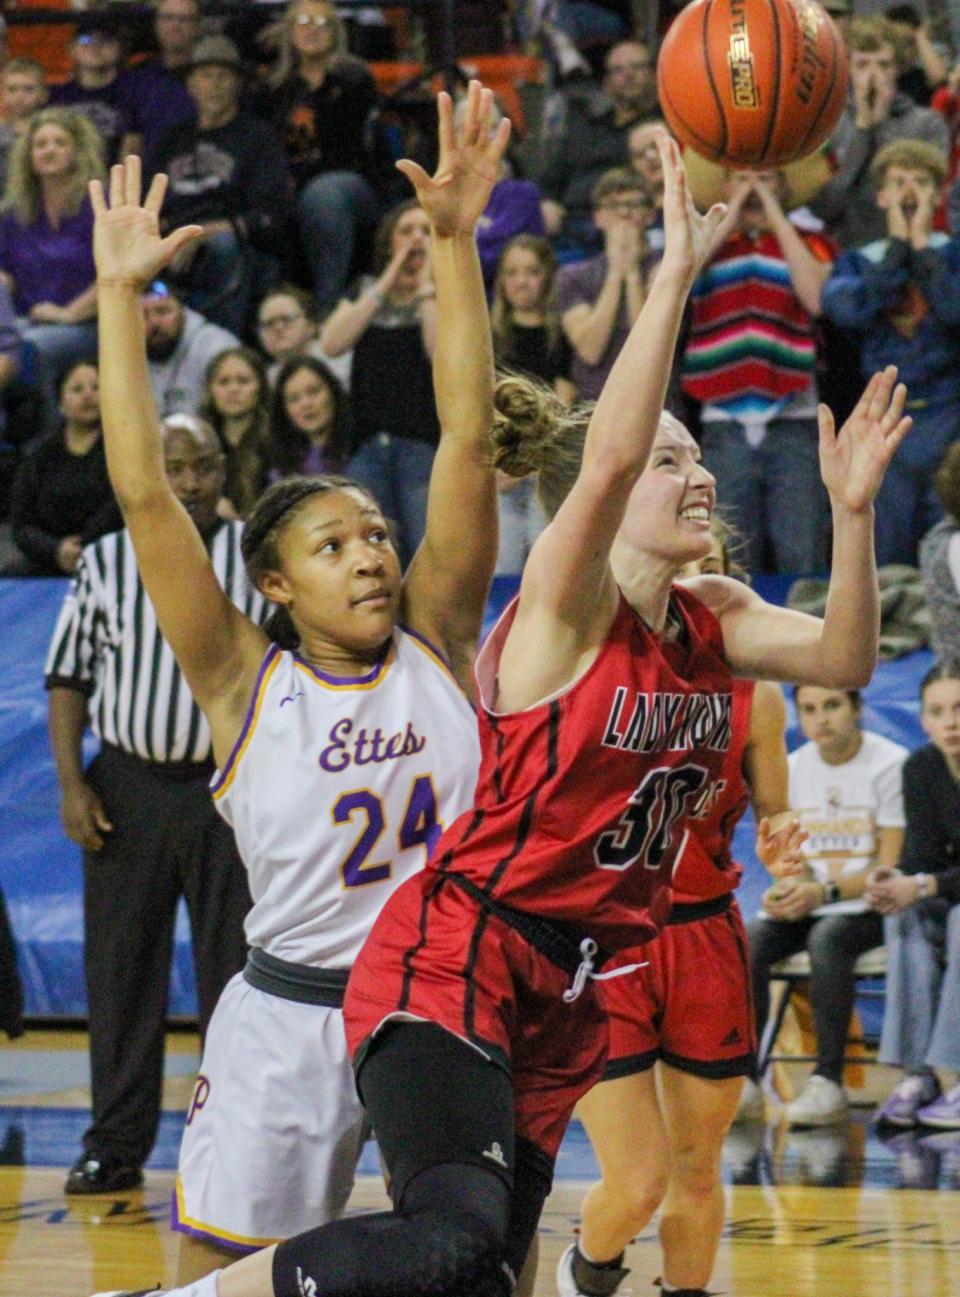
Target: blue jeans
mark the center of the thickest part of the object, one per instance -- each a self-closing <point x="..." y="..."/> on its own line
<point x="333" y="209"/>
<point x="217" y="282"/>
<point x="921" y="1015"/>
<point x="521" y="522"/>
<point x="396" y="470"/>
<point x="586" y="22"/>
<point x="907" y="505"/>
<point x="771" y="492"/>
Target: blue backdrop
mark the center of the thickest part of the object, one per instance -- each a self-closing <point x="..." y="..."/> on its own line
<point x="40" y="869"/>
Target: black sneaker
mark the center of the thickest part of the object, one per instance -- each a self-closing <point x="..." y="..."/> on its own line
<point x="91" y="1175"/>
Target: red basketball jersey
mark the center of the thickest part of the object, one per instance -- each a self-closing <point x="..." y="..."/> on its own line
<point x="707" y="869"/>
<point x="582" y="801"/>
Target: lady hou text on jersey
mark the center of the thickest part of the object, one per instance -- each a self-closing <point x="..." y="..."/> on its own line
<point x="663" y="722"/>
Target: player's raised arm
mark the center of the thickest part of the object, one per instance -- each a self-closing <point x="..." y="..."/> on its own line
<point x="218" y="649"/>
<point x="838" y="650"/>
<point x="568" y="576"/>
<point x="447" y="582"/>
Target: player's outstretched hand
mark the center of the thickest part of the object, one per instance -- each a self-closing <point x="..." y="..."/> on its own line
<point x="127" y="246"/>
<point x="781" y="852"/>
<point x="690" y="236"/>
<point x="455" y="196"/>
<point x="853" y="462"/>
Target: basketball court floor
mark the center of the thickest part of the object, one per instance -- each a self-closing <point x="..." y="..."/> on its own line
<point x="811" y="1213"/>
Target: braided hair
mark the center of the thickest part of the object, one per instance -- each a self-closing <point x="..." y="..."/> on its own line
<point x="268" y="519"/>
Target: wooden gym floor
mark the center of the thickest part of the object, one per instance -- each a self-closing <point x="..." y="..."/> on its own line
<point x="811" y="1214"/>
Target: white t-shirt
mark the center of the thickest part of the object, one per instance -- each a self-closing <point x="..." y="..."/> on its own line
<point x="842" y="807"/>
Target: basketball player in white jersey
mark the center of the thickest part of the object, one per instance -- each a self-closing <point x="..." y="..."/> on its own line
<point x="344" y="746"/>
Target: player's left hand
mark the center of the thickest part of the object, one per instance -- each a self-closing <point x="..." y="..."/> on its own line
<point x="781" y="852"/>
<point x="854" y="460"/>
<point x="127" y="246"/>
<point x="455" y="196"/>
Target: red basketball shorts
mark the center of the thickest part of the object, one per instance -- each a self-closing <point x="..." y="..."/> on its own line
<point x="436" y="954"/>
<point x="691" y="1005"/>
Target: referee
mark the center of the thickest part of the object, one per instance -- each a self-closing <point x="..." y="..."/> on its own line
<point x="143" y="814"/>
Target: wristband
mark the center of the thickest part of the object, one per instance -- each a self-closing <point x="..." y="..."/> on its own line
<point x="923" y="886"/>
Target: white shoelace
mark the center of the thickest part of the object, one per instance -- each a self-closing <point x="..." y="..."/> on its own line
<point x="588" y="953"/>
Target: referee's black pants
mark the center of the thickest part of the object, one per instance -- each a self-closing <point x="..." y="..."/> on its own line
<point x="167" y="841"/>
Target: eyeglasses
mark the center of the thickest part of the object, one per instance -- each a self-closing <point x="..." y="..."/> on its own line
<point x="313" y="20"/>
<point x="638" y="66"/>
<point x="628" y="205"/>
<point x="280" y="321"/>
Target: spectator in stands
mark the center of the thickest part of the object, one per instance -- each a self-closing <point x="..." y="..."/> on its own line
<point x="750" y="359"/>
<point x="288" y="325"/>
<point x="390" y="322"/>
<point x="10" y="348"/>
<point x="876" y="114"/>
<point x="62" y="499"/>
<point x="24" y="92"/>
<point x="940" y="563"/>
<point x="156" y="91"/>
<point x="142" y="813"/>
<point x="921" y="62"/>
<point x="600" y="298"/>
<point x="96" y="87"/>
<point x="900" y="297"/>
<point x="919" y="902"/>
<point x="592" y="139"/>
<point x="310" y="419"/>
<point x="236" y="404"/>
<point x="46" y="230"/>
<point x="227" y="174"/>
<point x="180" y="345"/>
<point x="644" y="157"/>
<point x="527" y="336"/>
<point x="321" y="102"/>
<point x="514" y="208"/>
<point x="845" y="791"/>
<point x="946" y="101"/>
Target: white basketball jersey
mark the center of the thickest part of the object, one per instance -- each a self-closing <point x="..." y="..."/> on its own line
<point x="337" y="790"/>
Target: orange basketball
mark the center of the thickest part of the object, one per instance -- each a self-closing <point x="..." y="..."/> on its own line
<point x="752" y="83"/>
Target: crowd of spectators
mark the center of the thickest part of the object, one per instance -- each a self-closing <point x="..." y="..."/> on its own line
<point x="299" y="330"/>
<point x="280" y="144"/>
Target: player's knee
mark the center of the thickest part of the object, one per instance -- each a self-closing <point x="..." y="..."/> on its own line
<point x="462" y="1252"/>
<point x="639" y="1196"/>
<point x="695" y="1169"/>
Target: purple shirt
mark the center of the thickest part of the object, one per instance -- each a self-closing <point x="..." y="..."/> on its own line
<point x="514" y="208"/>
<point x="158" y="100"/>
<point x="48" y="265"/>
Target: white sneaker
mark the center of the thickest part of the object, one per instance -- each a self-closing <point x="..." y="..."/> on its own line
<point x="566" y="1284"/>
<point x="820" y="1103"/>
<point x="753" y="1104"/>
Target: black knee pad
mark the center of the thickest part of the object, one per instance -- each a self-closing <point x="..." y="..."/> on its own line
<point x="462" y="1253"/>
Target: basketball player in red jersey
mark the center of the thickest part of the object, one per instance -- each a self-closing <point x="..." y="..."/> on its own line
<point x="689" y="1008"/>
<point x="606" y="712"/>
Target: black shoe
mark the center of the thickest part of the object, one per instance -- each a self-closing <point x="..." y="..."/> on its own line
<point x="90" y="1175"/>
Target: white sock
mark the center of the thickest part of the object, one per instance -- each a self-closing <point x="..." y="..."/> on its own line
<point x="205" y="1287"/>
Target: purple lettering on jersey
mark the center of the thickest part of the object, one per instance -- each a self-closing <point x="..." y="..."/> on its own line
<point x="366" y="747"/>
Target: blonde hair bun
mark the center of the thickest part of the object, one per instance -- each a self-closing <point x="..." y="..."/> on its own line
<point x="526" y="415"/>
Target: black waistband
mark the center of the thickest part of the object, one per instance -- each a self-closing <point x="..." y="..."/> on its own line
<point x="305" y="985"/>
<point x="178" y="772"/>
<point x="690" y="911"/>
<point x="559" y="941"/>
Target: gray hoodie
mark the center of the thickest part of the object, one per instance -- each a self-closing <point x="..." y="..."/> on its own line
<point x="178" y="380"/>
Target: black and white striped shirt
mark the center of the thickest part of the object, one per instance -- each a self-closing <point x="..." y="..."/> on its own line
<point x="107" y="644"/>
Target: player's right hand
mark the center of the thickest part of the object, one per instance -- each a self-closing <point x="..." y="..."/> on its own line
<point x="84" y="818"/>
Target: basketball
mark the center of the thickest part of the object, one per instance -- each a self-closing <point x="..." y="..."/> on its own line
<point x="752" y="83"/>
